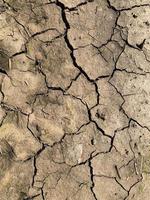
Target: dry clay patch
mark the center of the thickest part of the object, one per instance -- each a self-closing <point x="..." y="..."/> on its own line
<point x="74" y="80"/>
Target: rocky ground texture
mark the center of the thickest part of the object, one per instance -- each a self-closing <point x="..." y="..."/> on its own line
<point x="75" y="99"/>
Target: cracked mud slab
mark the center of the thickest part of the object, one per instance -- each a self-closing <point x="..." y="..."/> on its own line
<point x="75" y="99"/>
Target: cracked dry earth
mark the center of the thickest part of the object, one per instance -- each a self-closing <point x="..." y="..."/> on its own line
<point x="75" y="100"/>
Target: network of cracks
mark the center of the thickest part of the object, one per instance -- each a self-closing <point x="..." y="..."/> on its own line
<point x="74" y="99"/>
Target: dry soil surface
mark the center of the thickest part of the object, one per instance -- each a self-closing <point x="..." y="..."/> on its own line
<point x="74" y="99"/>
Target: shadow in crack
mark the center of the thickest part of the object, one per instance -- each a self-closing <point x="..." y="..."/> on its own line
<point x="4" y="62"/>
